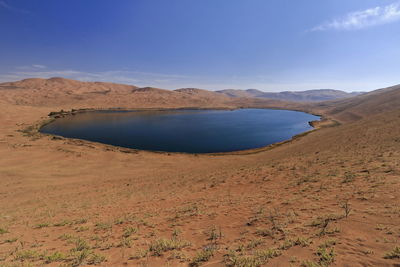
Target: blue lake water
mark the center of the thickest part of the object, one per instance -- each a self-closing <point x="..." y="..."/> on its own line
<point x="192" y="131"/>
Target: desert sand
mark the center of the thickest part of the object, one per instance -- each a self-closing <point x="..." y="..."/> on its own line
<point x="328" y="198"/>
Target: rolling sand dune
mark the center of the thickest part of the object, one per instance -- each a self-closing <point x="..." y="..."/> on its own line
<point x="330" y="197"/>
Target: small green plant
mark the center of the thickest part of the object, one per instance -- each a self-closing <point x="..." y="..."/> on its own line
<point x="126" y="242"/>
<point x="176" y="233"/>
<point x="346" y="208"/>
<point x="128" y="231"/>
<point x="140" y="253"/>
<point x="80" y="245"/>
<point x="78" y="257"/>
<point x="67" y="237"/>
<point x="213" y="234"/>
<point x="159" y="246"/>
<point x="54" y="257"/>
<point x="3" y="231"/>
<point x="94" y="259"/>
<point x="264" y="232"/>
<point x="103" y="226"/>
<point x="323" y="223"/>
<point x="393" y="254"/>
<point x="80" y="221"/>
<point x="255" y="243"/>
<point x="326" y="257"/>
<point x="82" y="228"/>
<point x="234" y="260"/>
<point x="62" y="223"/>
<point x="348" y="177"/>
<point x="28" y="255"/>
<point x="328" y="243"/>
<point x="202" y="256"/>
<point x="266" y="254"/>
<point x="119" y="221"/>
<point x="300" y="241"/>
<point x="258" y="258"/>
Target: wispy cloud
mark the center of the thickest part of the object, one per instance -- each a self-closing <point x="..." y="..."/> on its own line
<point x="4" y="4"/>
<point x="32" y="67"/>
<point x="118" y="76"/>
<point x="363" y="19"/>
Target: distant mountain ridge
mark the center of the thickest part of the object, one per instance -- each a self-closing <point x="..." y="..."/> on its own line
<point x="315" y="95"/>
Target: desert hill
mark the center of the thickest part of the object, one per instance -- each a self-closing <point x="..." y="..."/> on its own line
<point x="375" y="102"/>
<point x="298" y="96"/>
<point x="326" y="198"/>
<point x="76" y="94"/>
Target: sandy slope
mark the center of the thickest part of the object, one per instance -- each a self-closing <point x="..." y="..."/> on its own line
<point x="86" y="200"/>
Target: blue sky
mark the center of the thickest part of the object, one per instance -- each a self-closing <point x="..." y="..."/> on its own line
<point x="270" y="45"/>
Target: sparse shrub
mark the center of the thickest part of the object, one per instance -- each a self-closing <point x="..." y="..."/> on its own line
<point x="328" y="243"/>
<point x="394" y="254"/>
<point x="258" y="258"/>
<point x="119" y="221"/>
<point x="178" y="255"/>
<point x="3" y="231"/>
<point x="28" y="255"/>
<point x="202" y="256"/>
<point x="103" y="226"/>
<point x="80" y="245"/>
<point x="94" y="259"/>
<point x="266" y="254"/>
<point x="128" y="231"/>
<point x="66" y="237"/>
<point x="234" y="260"/>
<point x="159" y="246"/>
<point x="347" y="208"/>
<point x="176" y="233"/>
<point x="126" y="242"/>
<point x="140" y="253"/>
<point x="323" y="223"/>
<point x="56" y="256"/>
<point x="348" y="177"/>
<point x="264" y="232"/>
<point x="300" y="241"/>
<point x="214" y="234"/>
<point x="62" y="223"/>
<point x="82" y="228"/>
<point x="78" y="257"/>
<point x="326" y="257"/>
<point x="80" y="221"/>
<point x="255" y="243"/>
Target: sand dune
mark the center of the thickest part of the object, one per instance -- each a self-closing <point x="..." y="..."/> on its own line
<point x="327" y="198"/>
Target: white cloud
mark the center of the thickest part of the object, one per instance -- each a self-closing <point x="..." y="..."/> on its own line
<point x="363" y="19"/>
<point x="31" y="67"/>
<point x="117" y="76"/>
<point x="37" y="66"/>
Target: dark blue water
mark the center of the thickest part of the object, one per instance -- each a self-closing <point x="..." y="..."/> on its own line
<point x="193" y="131"/>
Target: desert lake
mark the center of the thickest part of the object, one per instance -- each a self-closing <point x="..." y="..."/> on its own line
<point x="191" y="131"/>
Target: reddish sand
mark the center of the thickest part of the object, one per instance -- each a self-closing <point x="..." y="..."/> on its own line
<point x="71" y="202"/>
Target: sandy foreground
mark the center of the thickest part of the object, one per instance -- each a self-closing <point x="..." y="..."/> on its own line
<point x="327" y="198"/>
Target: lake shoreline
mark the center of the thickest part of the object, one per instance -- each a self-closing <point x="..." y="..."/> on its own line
<point x="34" y="130"/>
